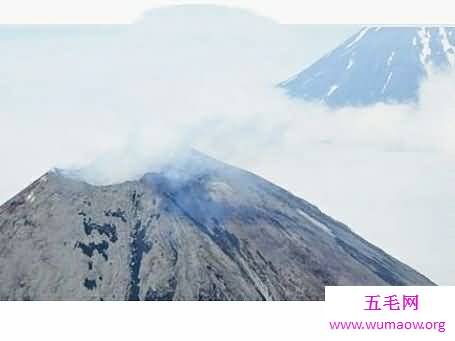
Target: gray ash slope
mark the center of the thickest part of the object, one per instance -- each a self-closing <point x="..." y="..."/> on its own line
<point x="376" y="65"/>
<point x="197" y="230"/>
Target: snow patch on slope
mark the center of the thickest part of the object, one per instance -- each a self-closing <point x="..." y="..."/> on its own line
<point x="332" y="90"/>
<point x="315" y="222"/>
<point x="389" y="77"/>
<point x="449" y="49"/>
<point x="31" y="197"/>
<point x="389" y="60"/>
<point x="425" y="52"/>
<point x="358" y="37"/>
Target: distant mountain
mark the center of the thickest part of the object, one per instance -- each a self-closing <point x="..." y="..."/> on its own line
<point x="378" y="64"/>
<point x="197" y="229"/>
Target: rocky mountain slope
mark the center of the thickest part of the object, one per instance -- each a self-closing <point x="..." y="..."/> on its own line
<point x="196" y="229"/>
<point x="378" y="64"/>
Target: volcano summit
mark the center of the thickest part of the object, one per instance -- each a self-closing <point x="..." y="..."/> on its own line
<point x="196" y="229"/>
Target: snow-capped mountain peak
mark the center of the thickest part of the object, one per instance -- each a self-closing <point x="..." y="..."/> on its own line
<point x="378" y="64"/>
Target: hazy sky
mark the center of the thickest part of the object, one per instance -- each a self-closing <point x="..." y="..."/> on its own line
<point x="284" y="11"/>
<point x="204" y="77"/>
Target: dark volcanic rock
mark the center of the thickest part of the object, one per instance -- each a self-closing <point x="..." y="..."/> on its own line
<point x="197" y="230"/>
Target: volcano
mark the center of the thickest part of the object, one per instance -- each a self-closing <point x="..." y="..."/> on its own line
<point x="376" y="65"/>
<point x="193" y="229"/>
